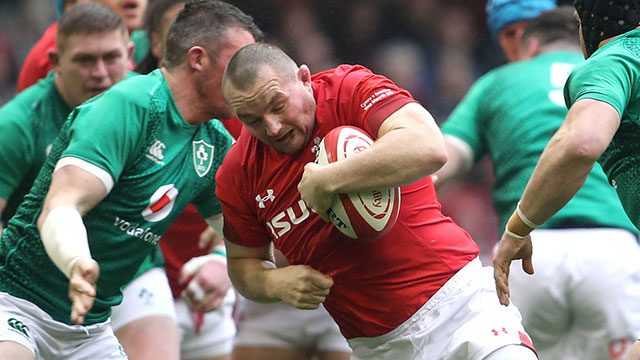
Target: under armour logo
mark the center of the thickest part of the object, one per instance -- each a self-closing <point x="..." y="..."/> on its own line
<point x="18" y="325"/>
<point x="496" y="332"/>
<point x="262" y="200"/>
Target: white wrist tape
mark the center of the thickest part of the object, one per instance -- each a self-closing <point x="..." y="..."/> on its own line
<point x="512" y="234"/>
<point x="192" y="266"/>
<point x="196" y="291"/>
<point x="525" y="219"/>
<point x="65" y="238"/>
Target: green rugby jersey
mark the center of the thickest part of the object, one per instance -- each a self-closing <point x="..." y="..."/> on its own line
<point x="511" y="113"/>
<point x="612" y="75"/>
<point x="29" y="124"/>
<point x="159" y="162"/>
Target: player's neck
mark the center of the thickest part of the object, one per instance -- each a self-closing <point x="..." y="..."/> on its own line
<point x="185" y="96"/>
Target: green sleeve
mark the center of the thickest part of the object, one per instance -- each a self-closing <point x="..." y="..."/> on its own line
<point x="465" y="120"/>
<point x="17" y="148"/>
<point x="107" y="132"/>
<point x="607" y="78"/>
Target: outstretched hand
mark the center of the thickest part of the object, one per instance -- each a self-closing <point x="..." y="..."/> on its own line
<point x="82" y="288"/>
<point x="302" y="287"/>
<point x="509" y="249"/>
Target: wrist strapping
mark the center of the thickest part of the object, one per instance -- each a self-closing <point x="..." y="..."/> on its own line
<point x="64" y="238"/>
<point x="512" y="234"/>
<point x="525" y="219"/>
<point x="192" y="266"/>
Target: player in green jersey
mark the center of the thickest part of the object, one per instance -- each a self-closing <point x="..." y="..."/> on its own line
<point x="110" y="188"/>
<point x="94" y="53"/>
<point x="601" y="125"/>
<point x="583" y="303"/>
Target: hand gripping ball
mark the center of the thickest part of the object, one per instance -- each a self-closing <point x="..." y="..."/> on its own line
<point x="365" y="215"/>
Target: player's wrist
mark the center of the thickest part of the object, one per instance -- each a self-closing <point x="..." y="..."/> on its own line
<point x="517" y="228"/>
<point x="64" y="238"/>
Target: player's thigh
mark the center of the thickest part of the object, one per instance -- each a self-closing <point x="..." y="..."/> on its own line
<point x="148" y="295"/>
<point x="264" y="353"/>
<point x="541" y="297"/>
<point x="151" y="337"/>
<point x="324" y="333"/>
<point x="209" y="335"/>
<point x="10" y="350"/>
<point x="512" y="352"/>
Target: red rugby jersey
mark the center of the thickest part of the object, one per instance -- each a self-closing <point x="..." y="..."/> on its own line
<point x="36" y="64"/>
<point x="377" y="285"/>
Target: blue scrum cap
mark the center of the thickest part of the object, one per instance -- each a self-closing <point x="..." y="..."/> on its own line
<point x="60" y="6"/>
<point x="501" y="13"/>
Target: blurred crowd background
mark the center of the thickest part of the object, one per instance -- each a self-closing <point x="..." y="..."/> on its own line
<point x="433" y="48"/>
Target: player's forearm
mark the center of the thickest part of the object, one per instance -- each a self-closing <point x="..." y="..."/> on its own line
<point x="567" y="160"/>
<point x="460" y="160"/>
<point x="410" y="150"/>
<point x="253" y="278"/>
<point x="560" y="173"/>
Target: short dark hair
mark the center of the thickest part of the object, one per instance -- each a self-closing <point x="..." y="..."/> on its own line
<point x="204" y="23"/>
<point x="86" y="19"/>
<point x="558" y="24"/>
<point x="152" y="22"/>
<point x="244" y="66"/>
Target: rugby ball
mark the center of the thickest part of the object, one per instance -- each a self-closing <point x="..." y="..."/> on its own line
<point x="365" y="215"/>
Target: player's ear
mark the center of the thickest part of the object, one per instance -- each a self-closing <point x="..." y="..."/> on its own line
<point x="156" y="45"/>
<point x="532" y="47"/>
<point x="304" y="74"/>
<point x="196" y="58"/>
<point x="54" y="59"/>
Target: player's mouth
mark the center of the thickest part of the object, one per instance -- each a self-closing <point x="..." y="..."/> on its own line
<point x="285" y="137"/>
<point x="130" y="8"/>
<point x="97" y="90"/>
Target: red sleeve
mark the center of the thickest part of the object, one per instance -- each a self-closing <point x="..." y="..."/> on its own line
<point x="241" y="224"/>
<point x="369" y="99"/>
<point x="36" y="65"/>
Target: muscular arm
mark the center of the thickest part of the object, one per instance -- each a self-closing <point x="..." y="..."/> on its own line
<point x="460" y="160"/>
<point x="561" y="171"/>
<point x="409" y="147"/>
<point x="568" y="158"/>
<point x="254" y="274"/>
<point x="248" y="269"/>
<point x="73" y="192"/>
<point x="73" y="187"/>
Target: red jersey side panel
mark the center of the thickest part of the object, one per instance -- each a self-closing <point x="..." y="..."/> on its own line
<point x="36" y="65"/>
<point x="377" y="285"/>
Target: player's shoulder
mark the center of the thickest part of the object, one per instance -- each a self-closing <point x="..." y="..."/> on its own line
<point x="238" y="160"/>
<point x="341" y="74"/>
<point x="23" y="104"/>
<point x="137" y="89"/>
<point x="621" y="53"/>
<point x="216" y="132"/>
